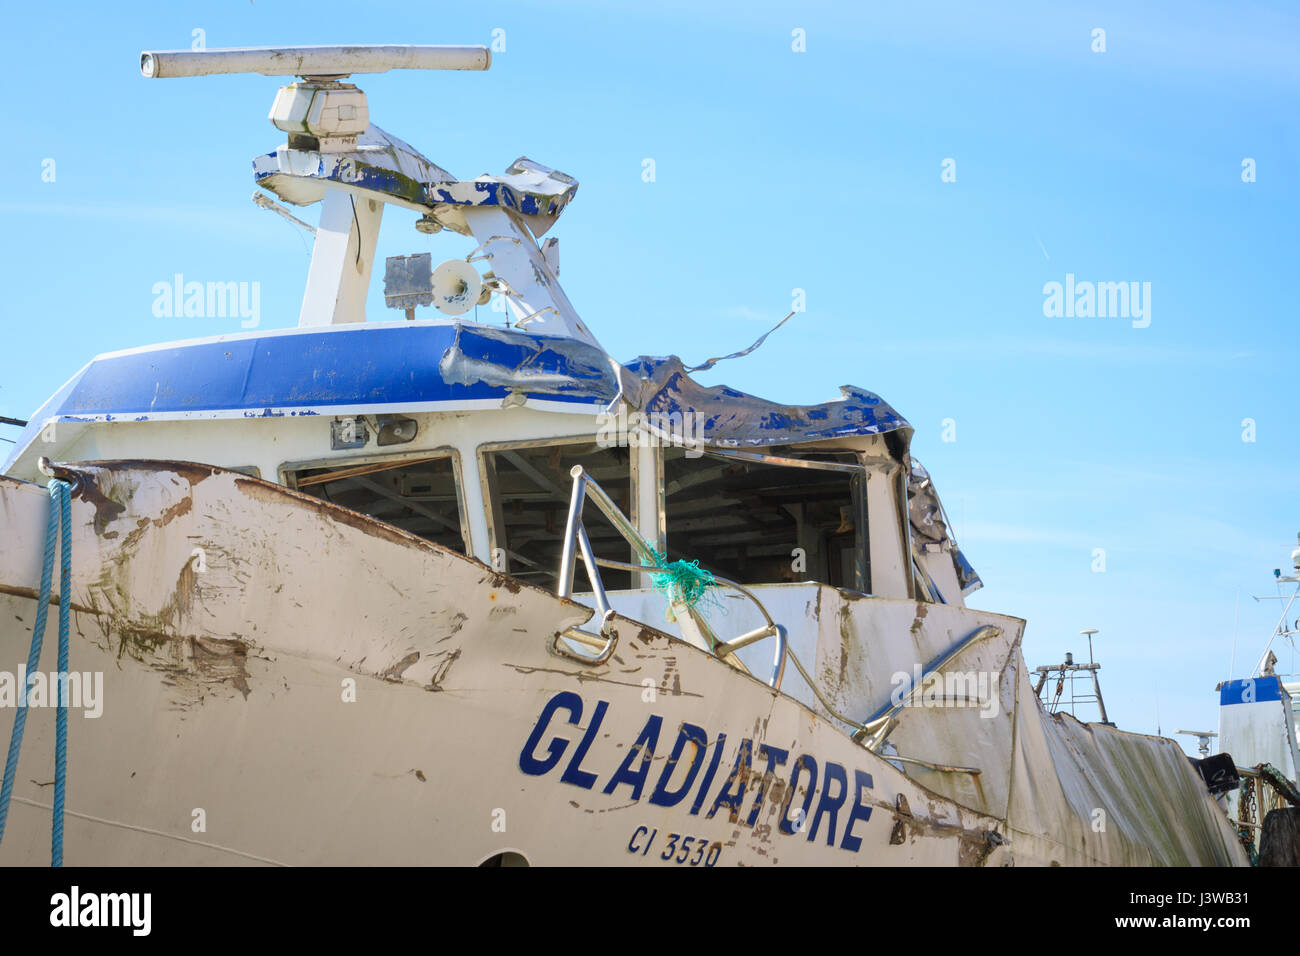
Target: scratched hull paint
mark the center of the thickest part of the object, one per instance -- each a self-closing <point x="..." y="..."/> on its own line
<point x="1045" y="776"/>
<point x="226" y="675"/>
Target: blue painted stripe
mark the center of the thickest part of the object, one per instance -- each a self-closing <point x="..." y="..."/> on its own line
<point x="1250" y="691"/>
<point x="397" y="366"/>
<point x="291" y="373"/>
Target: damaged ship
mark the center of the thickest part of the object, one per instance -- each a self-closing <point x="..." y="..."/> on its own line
<point x="441" y="591"/>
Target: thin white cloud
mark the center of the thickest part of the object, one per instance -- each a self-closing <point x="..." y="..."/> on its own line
<point x="748" y="314"/>
<point x="132" y="212"/>
<point x="994" y="532"/>
<point x="1012" y="348"/>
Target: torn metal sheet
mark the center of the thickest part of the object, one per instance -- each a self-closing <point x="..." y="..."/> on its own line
<point x="930" y="527"/>
<point x="528" y="364"/>
<point x="381" y="162"/>
<point x="536" y="192"/>
<point x="733" y="419"/>
<point x="396" y="170"/>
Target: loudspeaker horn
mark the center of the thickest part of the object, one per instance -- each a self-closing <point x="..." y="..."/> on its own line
<point x="456" y="287"/>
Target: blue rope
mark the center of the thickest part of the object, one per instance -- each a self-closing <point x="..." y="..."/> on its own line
<point x="63" y="491"/>
<point x="60" y="506"/>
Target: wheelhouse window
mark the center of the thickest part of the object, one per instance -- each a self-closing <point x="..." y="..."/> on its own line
<point x="528" y="487"/>
<point x="419" y="494"/>
<point x="760" y="522"/>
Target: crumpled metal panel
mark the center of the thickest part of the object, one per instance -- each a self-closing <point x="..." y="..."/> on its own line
<point x="528" y="188"/>
<point x="929" y="526"/>
<point x="536" y="364"/>
<point x="381" y="162"/>
<point x="733" y="419"/>
<point x="387" y="165"/>
<point x="966" y="576"/>
<point x="528" y="364"/>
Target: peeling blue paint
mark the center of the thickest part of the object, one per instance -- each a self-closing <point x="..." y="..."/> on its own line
<point x="396" y="170"/>
<point x="734" y="419"/>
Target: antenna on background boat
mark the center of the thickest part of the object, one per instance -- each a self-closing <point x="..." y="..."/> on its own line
<point x="1281" y="629"/>
<point x="1066" y="673"/>
<point x="11" y="421"/>
<point x="1203" y="738"/>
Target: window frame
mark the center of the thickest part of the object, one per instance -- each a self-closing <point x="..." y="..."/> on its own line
<point x="487" y="481"/>
<point x="859" y="477"/>
<point x="286" y="471"/>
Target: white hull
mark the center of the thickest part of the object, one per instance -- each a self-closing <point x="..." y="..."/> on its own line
<point x="225" y="691"/>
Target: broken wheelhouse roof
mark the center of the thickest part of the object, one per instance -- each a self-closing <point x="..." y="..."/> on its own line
<point x="425" y="366"/>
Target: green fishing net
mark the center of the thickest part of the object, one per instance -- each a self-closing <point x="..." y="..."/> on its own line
<point x="682" y="581"/>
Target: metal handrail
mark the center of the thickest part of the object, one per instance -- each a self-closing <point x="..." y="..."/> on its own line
<point x="883" y="720"/>
<point x="576" y="542"/>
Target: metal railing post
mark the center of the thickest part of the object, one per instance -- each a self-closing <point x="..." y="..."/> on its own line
<point x="565" y="587"/>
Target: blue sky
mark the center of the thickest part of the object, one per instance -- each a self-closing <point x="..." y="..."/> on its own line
<point x="777" y="170"/>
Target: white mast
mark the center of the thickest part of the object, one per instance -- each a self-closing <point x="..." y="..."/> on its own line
<point x="324" y="160"/>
